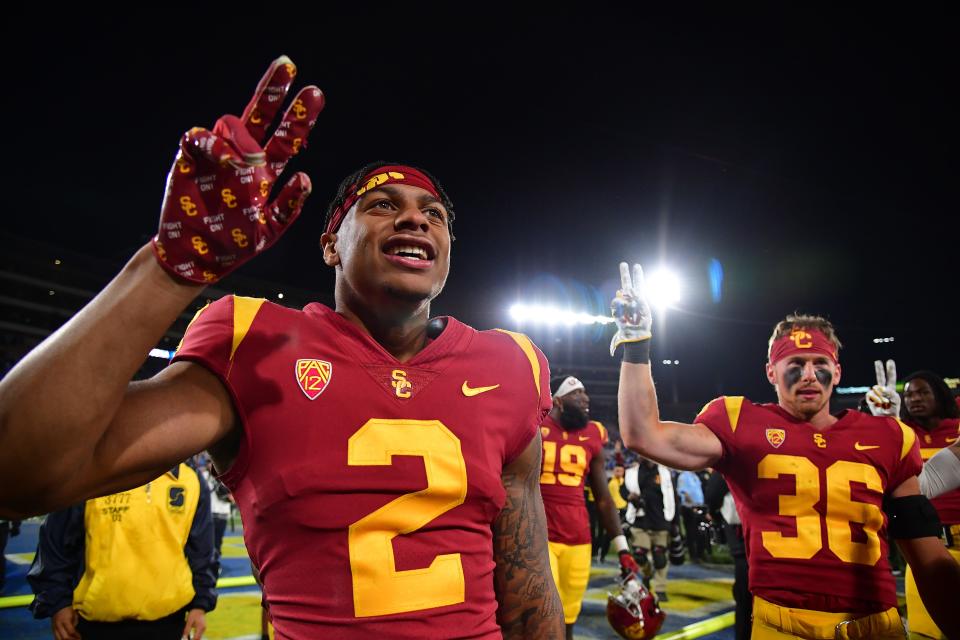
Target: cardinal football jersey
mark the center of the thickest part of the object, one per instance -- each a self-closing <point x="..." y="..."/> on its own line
<point x="945" y="435"/>
<point x="566" y="461"/>
<point x="367" y="486"/>
<point x="811" y="501"/>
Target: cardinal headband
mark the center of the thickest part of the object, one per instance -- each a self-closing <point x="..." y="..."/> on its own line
<point x="802" y="342"/>
<point x="387" y="174"/>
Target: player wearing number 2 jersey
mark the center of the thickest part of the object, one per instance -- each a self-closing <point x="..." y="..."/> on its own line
<point x="386" y="465"/>
<point x="354" y="449"/>
<point x="817" y="493"/>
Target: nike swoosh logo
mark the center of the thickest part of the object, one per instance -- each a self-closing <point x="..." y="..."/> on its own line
<point x="952" y="440"/>
<point x="475" y="391"/>
<point x="865" y="447"/>
<point x="582" y="438"/>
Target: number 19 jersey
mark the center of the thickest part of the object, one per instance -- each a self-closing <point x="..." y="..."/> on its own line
<point x="566" y="461"/>
<point x="811" y="501"/>
<point x="367" y="486"/>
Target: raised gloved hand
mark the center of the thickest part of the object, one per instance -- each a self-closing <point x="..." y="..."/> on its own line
<point x="215" y="214"/>
<point x="630" y="309"/>
<point x="882" y="398"/>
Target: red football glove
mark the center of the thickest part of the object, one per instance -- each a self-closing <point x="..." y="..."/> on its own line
<point x="627" y="564"/>
<point x="215" y="214"/>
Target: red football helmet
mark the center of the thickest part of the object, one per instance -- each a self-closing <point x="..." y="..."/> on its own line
<point x="634" y="613"/>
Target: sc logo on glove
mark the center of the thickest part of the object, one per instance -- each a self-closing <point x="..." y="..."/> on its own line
<point x="239" y="237"/>
<point x="228" y="198"/>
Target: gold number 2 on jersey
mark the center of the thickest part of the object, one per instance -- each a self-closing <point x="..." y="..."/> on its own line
<point x="573" y="461"/>
<point x="842" y="510"/>
<point x="378" y="588"/>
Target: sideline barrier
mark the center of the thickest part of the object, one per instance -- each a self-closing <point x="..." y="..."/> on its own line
<point x="223" y="583"/>
<point x="702" y="628"/>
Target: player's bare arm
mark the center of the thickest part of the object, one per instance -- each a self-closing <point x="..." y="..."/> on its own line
<point x="529" y="606"/>
<point x="601" y="495"/>
<point x="677" y="445"/>
<point x="96" y="432"/>
<point x="608" y="513"/>
<point x="936" y="573"/>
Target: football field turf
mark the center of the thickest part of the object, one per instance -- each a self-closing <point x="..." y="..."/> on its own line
<point x="700" y="602"/>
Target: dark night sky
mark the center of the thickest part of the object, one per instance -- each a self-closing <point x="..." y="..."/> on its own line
<point x="811" y="152"/>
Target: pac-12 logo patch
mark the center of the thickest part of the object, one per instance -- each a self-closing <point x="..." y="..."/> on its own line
<point x="776" y="437"/>
<point x="313" y="376"/>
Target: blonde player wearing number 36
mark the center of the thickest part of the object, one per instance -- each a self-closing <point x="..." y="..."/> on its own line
<point x="817" y="492"/>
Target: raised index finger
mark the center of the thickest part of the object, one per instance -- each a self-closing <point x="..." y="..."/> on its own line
<point x="268" y="98"/>
<point x="881" y="376"/>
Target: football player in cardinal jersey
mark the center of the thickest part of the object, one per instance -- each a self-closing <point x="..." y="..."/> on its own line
<point x="386" y="465"/>
<point x="931" y="412"/>
<point x="817" y="493"/>
<point x="572" y="452"/>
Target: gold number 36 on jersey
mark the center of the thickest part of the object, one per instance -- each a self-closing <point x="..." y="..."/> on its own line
<point x="842" y="510"/>
<point x="378" y="588"/>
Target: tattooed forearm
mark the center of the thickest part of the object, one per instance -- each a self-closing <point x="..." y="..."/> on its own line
<point x="529" y="606"/>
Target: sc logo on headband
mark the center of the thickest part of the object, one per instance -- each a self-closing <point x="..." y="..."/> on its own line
<point x="378" y="180"/>
<point x="802" y="339"/>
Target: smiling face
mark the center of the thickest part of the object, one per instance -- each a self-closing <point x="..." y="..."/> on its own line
<point x="804" y="383"/>
<point x="392" y="248"/>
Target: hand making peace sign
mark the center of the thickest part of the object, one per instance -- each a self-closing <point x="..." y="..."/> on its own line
<point x="215" y="214"/>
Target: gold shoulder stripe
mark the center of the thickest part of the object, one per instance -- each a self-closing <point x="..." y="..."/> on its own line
<point x="244" y="311"/>
<point x="733" y="405"/>
<point x="527" y="347"/>
<point x="602" y="429"/>
<point x="909" y="437"/>
<point x="192" y="320"/>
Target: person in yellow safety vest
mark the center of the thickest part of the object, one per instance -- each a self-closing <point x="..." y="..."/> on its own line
<point x="614" y="484"/>
<point x="134" y="564"/>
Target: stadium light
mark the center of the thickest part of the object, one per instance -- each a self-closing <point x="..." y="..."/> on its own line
<point x="161" y="353"/>
<point x="553" y="316"/>
<point x="664" y="288"/>
<point x="879" y="340"/>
